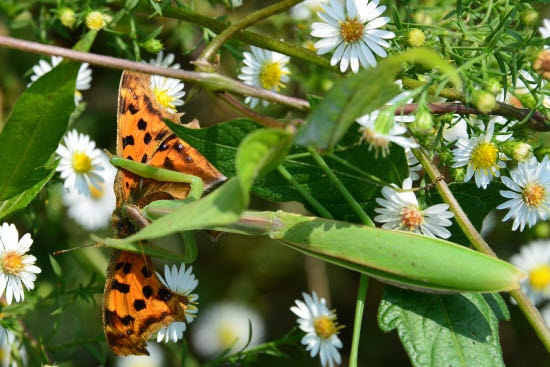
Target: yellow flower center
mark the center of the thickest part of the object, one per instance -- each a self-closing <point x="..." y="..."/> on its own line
<point x="533" y="195"/>
<point x="351" y="30"/>
<point x="271" y="74"/>
<point x="226" y="335"/>
<point x="12" y="262"/>
<point x="325" y="326"/>
<point x="81" y="162"/>
<point x="484" y="156"/>
<point x="411" y="218"/>
<point x="165" y="99"/>
<point x="539" y="277"/>
<point x="95" y="20"/>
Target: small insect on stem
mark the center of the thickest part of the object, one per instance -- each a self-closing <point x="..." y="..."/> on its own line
<point x="136" y="216"/>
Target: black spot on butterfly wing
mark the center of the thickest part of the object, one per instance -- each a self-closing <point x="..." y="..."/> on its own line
<point x="133" y="109"/>
<point x="147" y="291"/>
<point x="168" y="163"/>
<point x="142" y="124"/>
<point x="151" y="321"/>
<point x="126" y="320"/>
<point x="165" y="294"/>
<point x="147" y="138"/>
<point x="127" y="140"/>
<point x="130" y="158"/>
<point x="139" y="304"/>
<point x="119" y="265"/>
<point x="163" y="147"/>
<point x="144" y="158"/>
<point x="146" y="272"/>
<point x="178" y="146"/>
<point x="121" y="287"/>
<point x="127" y="268"/>
<point x="161" y="135"/>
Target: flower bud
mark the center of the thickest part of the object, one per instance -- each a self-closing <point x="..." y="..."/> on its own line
<point x="95" y="20"/>
<point x="415" y="38"/>
<point x="153" y="46"/>
<point x="493" y="86"/>
<point x="423" y="121"/>
<point x="447" y="118"/>
<point x="517" y="150"/>
<point x="484" y="101"/>
<point x="385" y="121"/>
<point x="542" y="64"/>
<point x="458" y="174"/>
<point x="67" y="17"/>
<point x="542" y="230"/>
<point x="446" y="156"/>
<point x="529" y="17"/>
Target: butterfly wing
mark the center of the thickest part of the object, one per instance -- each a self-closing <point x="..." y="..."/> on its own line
<point x="136" y="303"/>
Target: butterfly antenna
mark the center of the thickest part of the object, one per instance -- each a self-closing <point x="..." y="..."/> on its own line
<point x="59" y="252"/>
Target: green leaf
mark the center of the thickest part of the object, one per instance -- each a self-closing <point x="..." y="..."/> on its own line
<point x="34" y="129"/>
<point x="8" y="207"/>
<point x="55" y="266"/>
<point x="219" y="145"/>
<point x="433" y="330"/>
<point x="363" y="93"/>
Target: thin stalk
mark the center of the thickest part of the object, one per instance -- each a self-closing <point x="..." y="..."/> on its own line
<point x="258" y="117"/>
<point x="529" y="310"/>
<point x="211" y="81"/>
<point x="363" y="216"/>
<point x="359" y="308"/>
<point x="213" y="47"/>
<point x="373" y="179"/>
<point x="309" y="198"/>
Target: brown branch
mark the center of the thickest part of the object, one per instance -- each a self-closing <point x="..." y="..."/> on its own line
<point x="258" y="117"/>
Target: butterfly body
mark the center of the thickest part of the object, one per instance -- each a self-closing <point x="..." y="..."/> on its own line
<point x="135" y="302"/>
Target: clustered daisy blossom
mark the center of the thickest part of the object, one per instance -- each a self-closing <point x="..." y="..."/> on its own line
<point x="380" y="128"/>
<point x="319" y="324"/>
<point x="182" y="282"/>
<point x="81" y="163"/>
<point x="534" y="260"/>
<point x="352" y="31"/>
<point x="168" y="91"/>
<point x="529" y="193"/>
<point x="264" y="69"/>
<point x="481" y="156"/>
<point x="83" y="79"/>
<point x="226" y="326"/>
<point x="400" y="210"/>
<point x="16" y="267"/>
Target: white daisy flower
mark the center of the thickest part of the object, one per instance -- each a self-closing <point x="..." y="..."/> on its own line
<point x="16" y="268"/>
<point x="83" y="78"/>
<point x="380" y="135"/>
<point x="182" y="282"/>
<point x="481" y="156"/>
<point x="8" y="341"/>
<point x="321" y="328"/>
<point x="530" y="196"/>
<point x="95" y="211"/>
<point x="534" y="260"/>
<point x="225" y="326"/>
<point x="457" y="129"/>
<point x="353" y="32"/>
<point x="545" y="29"/>
<point x="306" y="9"/>
<point x="81" y="163"/>
<point x="414" y="165"/>
<point x="400" y="211"/>
<point x="168" y="91"/>
<point x="264" y="69"/>
<point x="154" y="359"/>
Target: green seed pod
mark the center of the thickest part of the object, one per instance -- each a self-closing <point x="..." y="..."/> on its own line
<point x="493" y="86"/>
<point x="67" y="17"/>
<point x="153" y="46"/>
<point x="529" y="17"/>
<point x="517" y="150"/>
<point x="423" y="122"/>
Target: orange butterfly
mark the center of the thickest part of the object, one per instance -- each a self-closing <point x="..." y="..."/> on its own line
<point x="135" y="303"/>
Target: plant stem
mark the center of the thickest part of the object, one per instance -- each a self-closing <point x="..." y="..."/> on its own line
<point x="526" y="306"/>
<point x="258" y="117"/>
<point x="211" y="81"/>
<point x="229" y="32"/>
<point x="359" y="308"/>
<point x="363" y="216"/>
